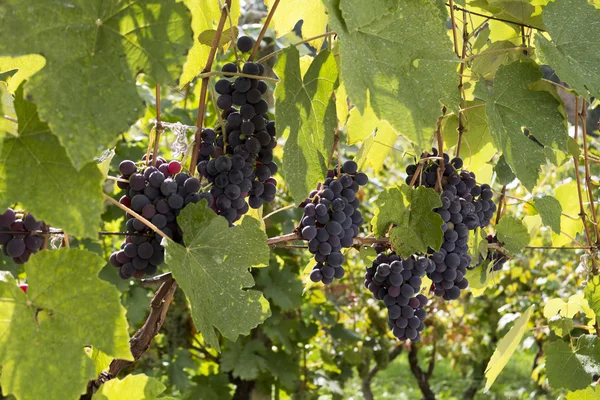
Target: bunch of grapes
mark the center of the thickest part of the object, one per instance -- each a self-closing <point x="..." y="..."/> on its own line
<point x="496" y="258"/>
<point x="465" y="206"/>
<point x="18" y="235"/>
<point x="158" y="193"/>
<point x="331" y="221"/>
<point x="397" y="283"/>
<point x="238" y="158"/>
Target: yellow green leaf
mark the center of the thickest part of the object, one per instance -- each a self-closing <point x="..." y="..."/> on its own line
<point x="311" y="12"/>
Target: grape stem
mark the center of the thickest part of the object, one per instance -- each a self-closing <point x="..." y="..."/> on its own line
<point x="453" y="22"/>
<point x="203" y="88"/>
<point x="263" y="31"/>
<point x="461" y="87"/>
<point x="158" y="127"/>
<point x="221" y="73"/>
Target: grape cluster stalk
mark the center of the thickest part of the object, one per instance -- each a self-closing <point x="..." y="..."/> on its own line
<point x="397" y="282"/>
<point x="465" y="206"/>
<point x="331" y="220"/>
<point x="237" y="159"/>
<point x="16" y="236"/>
<point x="496" y="258"/>
<point x="158" y="193"/>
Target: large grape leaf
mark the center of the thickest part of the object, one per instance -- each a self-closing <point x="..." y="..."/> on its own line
<point x="43" y="332"/>
<point x="550" y="210"/>
<point x="306" y="114"/>
<point x="213" y="271"/>
<point x="205" y="17"/>
<point x="36" y="172"/>
<point x="403" y="58"/>
<point x="506" y="347"/>
<point x="378" y="137"/>
<point x="574" y="51"/>
<point x="99" y="46"/>
<point x="512" y="233"/>
<point x="513" y="106"/>
<point x="416" y="226"/>
<point x="311" y="12"/>
<point x="570" y="369"/>
<point x="132" y="387"/>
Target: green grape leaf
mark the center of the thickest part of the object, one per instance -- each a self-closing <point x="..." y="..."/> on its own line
<point x="550" y="210"/>
<point x="481" y="278"/>
<point x="477" y="146"/>
<point x="213" y="271"/>
<point x="561" y="325"/>
<point x="416" y="226"/>
<point x="311" y="12"/>
<point x="100" y="48"/>
<point x="488" y="61"/>
<point x="306" y="114"/>
<point x="284" y="368"/>
<point x="205" y="17"/>
<point x="280" y="285"/>
<point x="76" y="202"/>
<point x="592" y="294"/>
<point x="378" y="137"/>
<point x="573" y="53"/>
<point x="518" y="11"/>
<point x="210" y="387"/>
<point x="244" y="360"/>
<point x="389" y="56"/>
<point x="570" y="369"/>
<point x="589" y="393"/>
<point x="512" y="233"/>
<point x="513" y="106"/>
<point x="132" y="387"/>
<point x="503" y="172"/>
<point x="66" y="308"/>
<point x="506" y="347"/>
<point x="206" y="38"/>
<point x="101" y="360"/>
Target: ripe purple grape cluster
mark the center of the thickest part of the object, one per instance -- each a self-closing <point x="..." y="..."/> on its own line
<point x="465" y="206"/>
<point x="158" y="193"/>
<point x="238" y="158"/>
<point x="496" y="258"/>
<point x="18" y="235"/>
<point x="332" y="220"/>
<point x="397" y="283"/>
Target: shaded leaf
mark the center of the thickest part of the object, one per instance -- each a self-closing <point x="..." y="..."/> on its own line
<point x="512" y="233"/>
<point x="570" y="369"/>
<point x="561" y="326"/>
<point x="244" y="360"/>
<point x="550" y="210"/>
<point x="592" y="294"/>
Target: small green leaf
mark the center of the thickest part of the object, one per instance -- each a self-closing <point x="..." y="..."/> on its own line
<point x="506" y="347"/>
<point x="244" y="360"/>
<point x="306" y="114"/>
<point x="550" y="210"/>
<point x="592" y="294"/>
<point x="104" y="161"/>
<point x="56" y="192"/>
<point x="513" y="234"/>
<point x="488" y="61"/>
<point x="480" y="278"/>
<point x="512" y="107"/>
<point x="573" y="53"/>
<point x="206" y="38"/>
<point x="51" y="325"/>
<point x="503" y="172"/>
<point x="132" y="387"/>
<point x="100" y="48"/>
<point x="280" y="285"/>
<point x="213" y="271"/>
<point x="417" y="226"/>
<point x="27" y="66"/>
<point x="560" y="325"/>
<point x="572" y="370"/>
